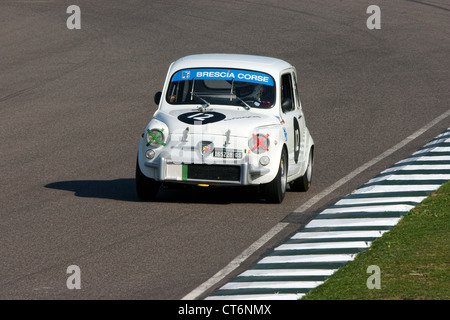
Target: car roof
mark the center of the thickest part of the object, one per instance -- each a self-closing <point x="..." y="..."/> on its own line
<point x="238" y="61"/>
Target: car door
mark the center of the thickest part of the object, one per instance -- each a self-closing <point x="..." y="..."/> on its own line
<point x="292" y="117"/>
<point x="300" y="127"/>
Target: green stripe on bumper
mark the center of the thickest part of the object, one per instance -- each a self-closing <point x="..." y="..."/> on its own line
<point x="184" y="170"/>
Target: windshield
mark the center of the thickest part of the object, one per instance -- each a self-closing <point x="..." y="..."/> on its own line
<point x="234" y="87"/>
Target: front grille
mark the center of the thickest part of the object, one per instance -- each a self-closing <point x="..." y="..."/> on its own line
<point x="213" y="172"/>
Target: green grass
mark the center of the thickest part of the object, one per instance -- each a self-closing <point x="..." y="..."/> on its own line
<point x="413" y="257"/>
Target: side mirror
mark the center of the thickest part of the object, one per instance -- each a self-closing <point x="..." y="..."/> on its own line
<point x="158" y="97"/>
<point x="286" y="105"/>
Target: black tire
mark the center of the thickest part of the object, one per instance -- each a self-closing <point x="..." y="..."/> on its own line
<point x="304" y="182"/>
<point x="276" y="190"/>
<point x="146" y="188"/>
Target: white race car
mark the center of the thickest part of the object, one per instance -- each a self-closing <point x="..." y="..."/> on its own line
<point x="227" y="119"/>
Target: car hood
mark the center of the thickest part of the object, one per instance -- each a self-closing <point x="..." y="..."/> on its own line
<point x="217" y="120"/>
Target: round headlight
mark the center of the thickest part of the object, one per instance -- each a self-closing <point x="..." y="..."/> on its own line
<point x="155" y="138"/>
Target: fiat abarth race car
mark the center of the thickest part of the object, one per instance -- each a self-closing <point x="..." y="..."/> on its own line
<point x="227" y="119"/>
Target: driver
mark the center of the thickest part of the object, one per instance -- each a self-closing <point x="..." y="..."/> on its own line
<point x="261" y="96"/>
<point x="257" y="94"/>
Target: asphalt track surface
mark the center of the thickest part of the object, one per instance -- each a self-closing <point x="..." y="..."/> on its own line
<point x="75" y="102"/>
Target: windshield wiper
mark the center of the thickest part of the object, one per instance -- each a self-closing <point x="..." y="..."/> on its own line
<point x="192" y="90"/>
<point x="247" y="107"/>
<point x="207" y="104"/>
<point x="203" y="100"/>
<point x="231" y="90"/>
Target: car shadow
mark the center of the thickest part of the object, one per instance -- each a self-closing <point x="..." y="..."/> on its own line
<point x="125" y="190"/>
<point x="118" y="189"/>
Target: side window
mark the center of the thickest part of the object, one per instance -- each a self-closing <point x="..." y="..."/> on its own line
<point x="287" y="94"/>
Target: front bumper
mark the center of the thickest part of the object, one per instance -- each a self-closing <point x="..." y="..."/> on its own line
<point x="167" y="170"/>
<point x="210" y="173"/>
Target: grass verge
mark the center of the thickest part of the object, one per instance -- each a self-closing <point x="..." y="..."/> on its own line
<point x="413" y="257"/>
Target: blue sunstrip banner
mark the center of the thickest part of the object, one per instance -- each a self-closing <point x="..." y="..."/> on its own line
<point x="223" y="74"/>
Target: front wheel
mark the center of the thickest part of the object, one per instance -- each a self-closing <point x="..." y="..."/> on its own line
<point x="146" y="188"/>
<point x="276" y="190"/>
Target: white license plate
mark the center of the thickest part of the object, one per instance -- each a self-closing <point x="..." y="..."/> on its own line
<point x="224" y="153"/>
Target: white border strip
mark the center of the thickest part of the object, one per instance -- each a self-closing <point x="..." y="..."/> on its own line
<point x="412" y="167"/>
<point x="373" y="208"/>
<point x="310" y="258"/>
<point x="353" y="222"/>
<point x="379" y="200"/>
<point x="397" y="188"/>
<point x="413" y="177"/>
<point x="324" y="245"/>
<point x="287" y="272"/>
<point x="272" y="285"/>
<point x="276" y="296"/>
<point x="337" y="234"/>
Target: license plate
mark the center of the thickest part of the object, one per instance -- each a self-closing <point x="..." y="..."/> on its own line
<point x="225" y="153"/>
